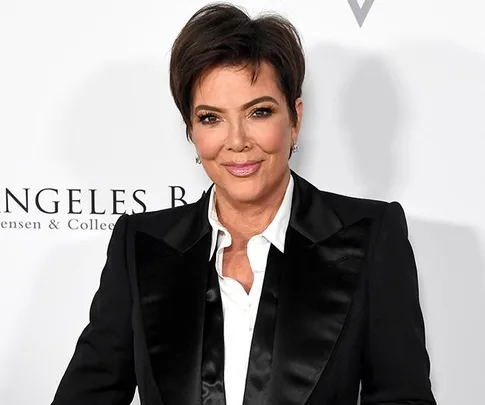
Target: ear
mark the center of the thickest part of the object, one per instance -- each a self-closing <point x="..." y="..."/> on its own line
<point x="299" y="116"/>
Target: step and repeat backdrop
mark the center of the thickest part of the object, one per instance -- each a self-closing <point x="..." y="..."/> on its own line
<point x="394" y="99"/>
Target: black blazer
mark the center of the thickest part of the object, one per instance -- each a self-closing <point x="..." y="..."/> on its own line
<point x="338" y="309"/>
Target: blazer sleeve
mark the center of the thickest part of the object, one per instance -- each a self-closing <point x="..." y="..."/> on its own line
<point x="395" y="361"/>
<point x="101" y="370"/>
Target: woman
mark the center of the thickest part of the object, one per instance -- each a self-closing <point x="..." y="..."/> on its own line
<point x="266" y="290"/>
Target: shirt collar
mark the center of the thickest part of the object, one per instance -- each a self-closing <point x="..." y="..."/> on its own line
<point x="275" y="232"/>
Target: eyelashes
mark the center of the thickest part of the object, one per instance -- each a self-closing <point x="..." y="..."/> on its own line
<point x="263" y="112"/>
<point x="208" y="118"/>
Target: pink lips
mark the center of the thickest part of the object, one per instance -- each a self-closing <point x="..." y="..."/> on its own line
<point x="242" y="170"/>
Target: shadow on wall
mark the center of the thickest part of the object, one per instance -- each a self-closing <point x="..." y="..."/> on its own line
<point x="451" y="269"/>
<point x="353" y="118"/>
<point x="121" y="123"/>
<point x="363" y="117"/>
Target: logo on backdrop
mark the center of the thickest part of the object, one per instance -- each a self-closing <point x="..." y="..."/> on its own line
<point x="361" y="11"/>
<point x="74" y="208"/>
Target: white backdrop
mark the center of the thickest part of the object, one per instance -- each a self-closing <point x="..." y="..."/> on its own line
<point x="393" y="110"/>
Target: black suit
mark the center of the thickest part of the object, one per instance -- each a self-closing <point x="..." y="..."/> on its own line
<point x="339" y="307"/>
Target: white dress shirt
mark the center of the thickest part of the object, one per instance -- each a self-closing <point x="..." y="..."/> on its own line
<point x="240" y="308"/>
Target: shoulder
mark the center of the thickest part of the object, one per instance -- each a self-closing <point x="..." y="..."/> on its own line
<point x="385" y="216"/>
<point x="320" y="213"/>
<point x="348" y="208"/>
<point x="157" y="223"/>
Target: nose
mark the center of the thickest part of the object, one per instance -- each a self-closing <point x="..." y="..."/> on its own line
<point x="236" y="140"/>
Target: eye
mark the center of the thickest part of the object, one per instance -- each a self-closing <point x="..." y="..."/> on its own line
<point x="262" y="112"/>
<point x="207" y="118"/>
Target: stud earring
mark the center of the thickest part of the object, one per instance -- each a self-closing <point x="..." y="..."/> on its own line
<point x="197" y="160"/>
<point x="295" y="148"/>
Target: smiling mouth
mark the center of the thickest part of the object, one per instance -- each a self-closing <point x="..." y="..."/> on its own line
<point x="243" y="170"/>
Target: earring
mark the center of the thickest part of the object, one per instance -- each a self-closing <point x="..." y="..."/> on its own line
<point x="295" y="148"/>
<point x="197" y="160"/>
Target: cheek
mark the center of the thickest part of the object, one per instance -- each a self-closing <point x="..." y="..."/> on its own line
<point x="275" y="138"/>
<point x="207" y="143"/>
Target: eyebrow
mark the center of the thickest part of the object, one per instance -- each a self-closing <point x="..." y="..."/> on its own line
<point x="244" y="107"/>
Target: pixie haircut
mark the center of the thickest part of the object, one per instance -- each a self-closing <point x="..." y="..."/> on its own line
<point x="222" y="34"/>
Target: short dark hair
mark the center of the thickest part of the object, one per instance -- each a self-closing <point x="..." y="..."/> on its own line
<point x="221" y="34"/>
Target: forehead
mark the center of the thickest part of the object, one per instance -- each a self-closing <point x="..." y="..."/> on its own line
<point x="232" y="84"/>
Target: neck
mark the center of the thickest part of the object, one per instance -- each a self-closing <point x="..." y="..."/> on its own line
<point x="244" y="220"/>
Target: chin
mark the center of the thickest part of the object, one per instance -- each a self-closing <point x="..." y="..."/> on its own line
<point x="244" y="192"/>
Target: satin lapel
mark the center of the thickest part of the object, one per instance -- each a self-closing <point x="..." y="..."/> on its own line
<point x="261" y="352"/>
<point x="172" y="290"/>
<point x="212" y="368"/>
<point x="172" y="276"/>
<point x="323" y="258"/>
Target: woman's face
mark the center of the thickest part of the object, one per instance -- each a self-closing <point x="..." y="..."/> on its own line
<point x="243" y="132"/>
